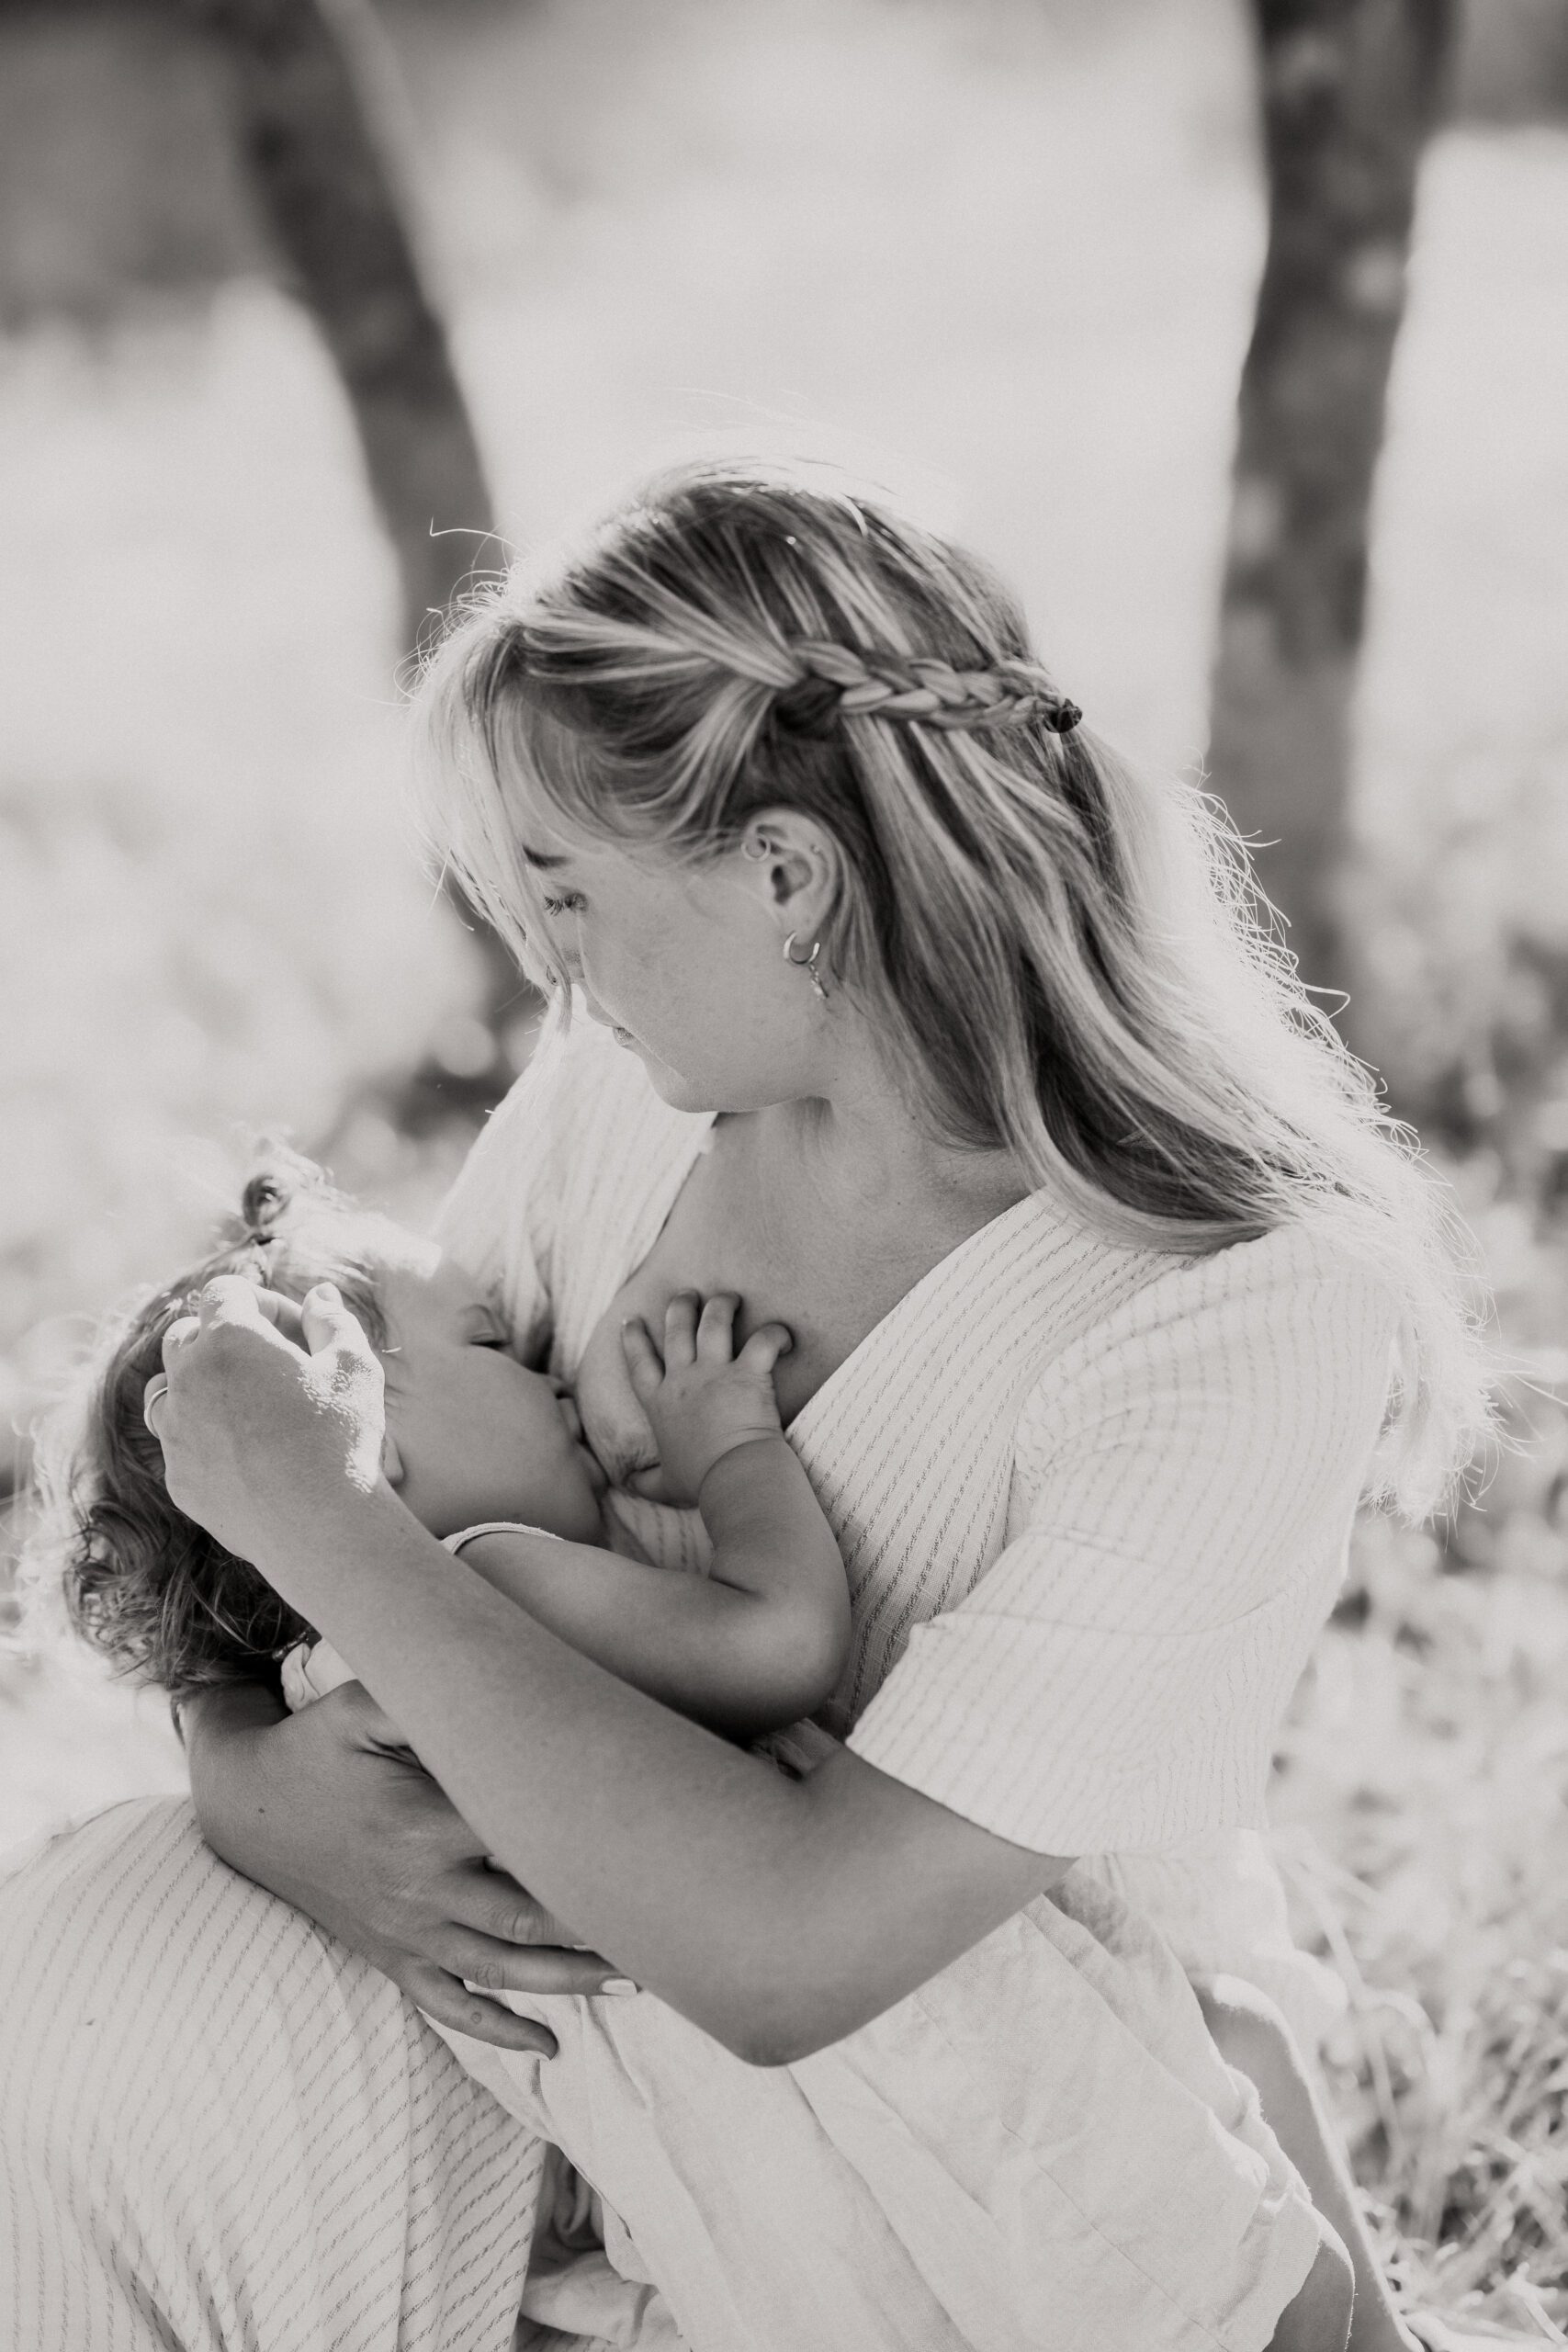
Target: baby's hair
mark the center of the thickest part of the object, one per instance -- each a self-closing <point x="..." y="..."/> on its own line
<point x="142" y="1583"/>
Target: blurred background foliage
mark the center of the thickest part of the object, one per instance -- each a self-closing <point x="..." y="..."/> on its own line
<point x="283" y="285"/>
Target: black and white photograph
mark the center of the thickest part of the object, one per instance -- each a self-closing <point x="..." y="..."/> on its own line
<point x="783" y="1175"/>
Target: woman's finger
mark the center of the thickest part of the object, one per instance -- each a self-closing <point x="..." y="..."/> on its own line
<point x="448" y="2000"/>
<point x="284" y="1313"/>
<point x="496" y="1967"/>
<point x="331" y="1325"/>
<point x="340" y="1350"/>
<point x="179" y="1335"/>
<point x="680" y="1330"/>
<point x="491" y="1901"/>
<point x="643" y="1360"/>
<point x="764" y="1349"/>
<point x="227" y="1298"/>
<point x="715" y="1331"/>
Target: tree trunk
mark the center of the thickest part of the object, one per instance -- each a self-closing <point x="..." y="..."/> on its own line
<point x="1350" y="89"/>
<point x="304" y="75"/>
<point x="304" y="72"/>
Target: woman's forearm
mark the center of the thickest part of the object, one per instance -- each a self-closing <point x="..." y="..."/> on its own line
<point x="777" y="1915"/>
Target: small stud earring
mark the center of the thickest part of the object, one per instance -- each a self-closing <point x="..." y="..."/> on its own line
<point x="807" y="964"/>
<point x="757" y="848"/>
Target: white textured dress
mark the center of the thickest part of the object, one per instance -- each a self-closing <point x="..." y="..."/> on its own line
<point x="1093" y="1505"/>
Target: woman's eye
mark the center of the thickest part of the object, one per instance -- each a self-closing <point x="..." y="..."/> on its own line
<point x="568" y="903"/>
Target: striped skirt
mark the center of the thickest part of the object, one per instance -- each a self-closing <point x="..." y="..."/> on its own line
<point x="222" y="2133"/>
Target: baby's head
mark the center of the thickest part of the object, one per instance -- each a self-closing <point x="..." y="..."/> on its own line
<point x="471" y="1435"/>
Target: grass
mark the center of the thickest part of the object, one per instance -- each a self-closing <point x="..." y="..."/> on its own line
<point x="1419" y="1807"/>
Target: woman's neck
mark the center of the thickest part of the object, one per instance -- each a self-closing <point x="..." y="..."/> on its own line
<point x="861" y="1142"/>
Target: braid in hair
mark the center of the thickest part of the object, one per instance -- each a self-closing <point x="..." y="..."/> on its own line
<point x="838" y="682"/>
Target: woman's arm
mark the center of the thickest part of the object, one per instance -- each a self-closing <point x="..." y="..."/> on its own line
<point x="776" y="1914"/>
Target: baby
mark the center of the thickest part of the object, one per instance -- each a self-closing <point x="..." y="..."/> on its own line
<point x="489" y="1456"/>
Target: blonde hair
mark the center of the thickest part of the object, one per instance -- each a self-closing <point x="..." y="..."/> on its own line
<point x="1068" y="959"/>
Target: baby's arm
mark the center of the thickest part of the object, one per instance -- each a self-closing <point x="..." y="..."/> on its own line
<point x="759" y="1642"/>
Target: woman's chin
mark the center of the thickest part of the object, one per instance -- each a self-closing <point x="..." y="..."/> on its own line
<point x="717" y="1093"/>
<point x="671" y="1086"/>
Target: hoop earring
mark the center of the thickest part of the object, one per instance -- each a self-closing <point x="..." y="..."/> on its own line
<point x="763" y="849"/>
<point x="807" y="964"/>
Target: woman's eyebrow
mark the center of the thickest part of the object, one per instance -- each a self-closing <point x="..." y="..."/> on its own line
<point x="538" y="857"/>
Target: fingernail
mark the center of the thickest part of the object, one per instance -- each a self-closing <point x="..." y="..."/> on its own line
<point x="326" y="1292"/>
<point x="618" y="1985"/>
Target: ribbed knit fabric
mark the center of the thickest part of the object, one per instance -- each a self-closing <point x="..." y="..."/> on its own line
<point x="221" y="2132"/>
<point x="1093" y="1502"/>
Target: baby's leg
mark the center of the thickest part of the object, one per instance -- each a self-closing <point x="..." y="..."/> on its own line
<point x="1253" y="2037"/>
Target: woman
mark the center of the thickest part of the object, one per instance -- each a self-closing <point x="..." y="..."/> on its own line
<point x="944" y="1041"/>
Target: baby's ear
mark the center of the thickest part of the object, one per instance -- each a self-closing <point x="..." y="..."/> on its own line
<point x="391" y="1461"/>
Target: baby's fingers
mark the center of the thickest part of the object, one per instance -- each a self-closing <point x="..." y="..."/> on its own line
<point x="680" y="1330"/>
<point x="715" y="1331"/>
<point x="644" y="1363"/>
<point x="764" y="1349"/>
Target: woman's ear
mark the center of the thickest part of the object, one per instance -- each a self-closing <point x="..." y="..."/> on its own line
<point x="391" y="1461"/>
<point x="799" y="865"/>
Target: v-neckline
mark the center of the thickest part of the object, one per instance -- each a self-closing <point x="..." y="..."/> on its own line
<point x="929" y="1281"/>
<point x="660" y="1208"/>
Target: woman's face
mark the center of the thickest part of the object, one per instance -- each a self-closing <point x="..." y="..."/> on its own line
<point x="686" y="965"/>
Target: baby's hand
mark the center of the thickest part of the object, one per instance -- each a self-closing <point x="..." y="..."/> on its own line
<point x="702" y="1398"/>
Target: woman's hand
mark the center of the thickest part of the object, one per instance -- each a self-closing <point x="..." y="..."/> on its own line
<point x="328" y="1809"/>
<point x="261" y="1439"/>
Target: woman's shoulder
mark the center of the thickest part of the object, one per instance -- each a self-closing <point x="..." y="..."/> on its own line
<point x="1230" y="1405"/>
<point x="1308" y="1264"/>
<point x="1301" y="1307"/>
<point x="1310" y="1287"/>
